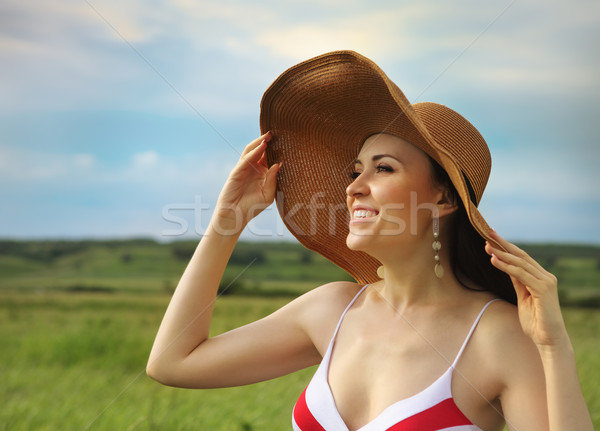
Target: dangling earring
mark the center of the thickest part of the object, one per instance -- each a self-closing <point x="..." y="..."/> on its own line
<point x="380" y="272"/>
<point x="437" y="245"/>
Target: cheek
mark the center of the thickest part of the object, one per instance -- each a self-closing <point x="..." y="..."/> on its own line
<point x="417" y="189"/>
<point x="397" y="193"/>
<point x="412" y="203"/>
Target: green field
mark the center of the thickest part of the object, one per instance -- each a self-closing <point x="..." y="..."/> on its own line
<point x="77" y="362"/>
<point x="77" y="321"/>
<point x="260" y="269"/>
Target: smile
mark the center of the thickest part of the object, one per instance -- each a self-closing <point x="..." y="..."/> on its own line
<point x="363" y="214"/>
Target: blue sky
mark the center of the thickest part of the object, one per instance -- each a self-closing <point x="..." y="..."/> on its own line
<point x="123" y="118"/>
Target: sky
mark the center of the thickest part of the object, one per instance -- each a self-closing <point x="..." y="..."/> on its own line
<point x="122" y="119"/>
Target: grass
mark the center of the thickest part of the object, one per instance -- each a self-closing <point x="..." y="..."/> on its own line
<point x="77" y="320"/>
<point x="76" y="361"/>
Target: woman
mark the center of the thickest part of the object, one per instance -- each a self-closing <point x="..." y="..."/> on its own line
<point x="430" y="338"/>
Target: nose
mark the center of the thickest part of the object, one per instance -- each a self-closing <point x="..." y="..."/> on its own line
<point x="358" y="187"/>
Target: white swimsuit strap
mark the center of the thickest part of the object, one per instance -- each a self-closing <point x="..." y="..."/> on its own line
<point x="471" y="332"/>
<point x="345" y="311"/>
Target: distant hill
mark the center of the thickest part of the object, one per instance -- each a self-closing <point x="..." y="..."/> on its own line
<point x="255" y="268"/>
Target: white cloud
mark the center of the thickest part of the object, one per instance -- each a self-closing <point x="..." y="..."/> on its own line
<point x="21" y="165"/>
<point x="306" y="41"/>
<point x="84" y="161"/>
<point x="60" y="55"/>
<point x="25" y="165"/>
<point x="220" y="56"/>
<point x="132" y="21"/>
<point x="392" y="31"/>
<point x="154" y="172"/>
<point x="64" y="54"/>
<point x="145" y="159"/>
<point x="527" y="47"/>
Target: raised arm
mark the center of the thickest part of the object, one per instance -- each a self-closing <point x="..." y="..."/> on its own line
<point x="182" y="354"/>
<point x="541" y="320"/>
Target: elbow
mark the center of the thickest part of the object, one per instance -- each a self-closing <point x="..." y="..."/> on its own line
<point x="159" y="372"/>
<point x="170" y="374"/>
<point x="153" y="371"/>
<point x="178" y="372"/>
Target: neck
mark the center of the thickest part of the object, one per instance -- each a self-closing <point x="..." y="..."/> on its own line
<point x="410" y="280"/>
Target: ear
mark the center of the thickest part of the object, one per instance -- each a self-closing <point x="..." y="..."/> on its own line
<point x="447" y="202"/>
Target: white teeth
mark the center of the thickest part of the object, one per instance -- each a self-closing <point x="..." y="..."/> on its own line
<point x="363" y="214"/>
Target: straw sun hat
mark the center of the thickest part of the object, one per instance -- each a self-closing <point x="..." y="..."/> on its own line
<point x="320" y="112"/>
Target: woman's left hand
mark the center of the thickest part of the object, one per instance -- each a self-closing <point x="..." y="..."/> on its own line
<point x="537" y="293"/>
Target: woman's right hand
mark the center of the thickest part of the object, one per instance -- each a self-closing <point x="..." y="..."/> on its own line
<point x="249" y="189"/>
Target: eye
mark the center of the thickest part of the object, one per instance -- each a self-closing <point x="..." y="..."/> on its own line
<point x="383" y="168"/>
<point x="354" y="174"/>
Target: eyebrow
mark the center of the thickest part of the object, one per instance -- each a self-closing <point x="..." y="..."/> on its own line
<point x="377" y="157"/>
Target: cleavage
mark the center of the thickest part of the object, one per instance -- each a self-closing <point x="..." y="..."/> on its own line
<point x="366" y="375"/>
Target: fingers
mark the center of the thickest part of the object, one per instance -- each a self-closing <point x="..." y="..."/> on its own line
<point x="508" y="246"/>
<point x="257" y="142"/>
<point x="271" y="182"/>
<point x="517" y="269"/>
<point x="263" y="159"/>
<point x="514" y="250"/>
<point x="519" y="277"/>
<point x="254" y="153"/>
<point x="528" y="276"/>
<point x="513" y="260"/>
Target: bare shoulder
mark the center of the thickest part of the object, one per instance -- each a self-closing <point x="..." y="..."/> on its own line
<point x="318" y="311"/>
<point x="501" y="323"/>
<point x="507" y="348"/>
<point x="329" y="300"/>
<point x="499" y="316"/>
<point x="332" y="295"/>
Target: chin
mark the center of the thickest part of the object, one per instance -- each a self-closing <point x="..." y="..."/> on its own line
<point x="359" y="242"/>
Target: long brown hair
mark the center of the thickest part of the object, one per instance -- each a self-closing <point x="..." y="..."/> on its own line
<point x="469" y="262"/>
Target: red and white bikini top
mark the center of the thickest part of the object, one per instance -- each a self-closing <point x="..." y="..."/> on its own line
<point x="432" y="409"/>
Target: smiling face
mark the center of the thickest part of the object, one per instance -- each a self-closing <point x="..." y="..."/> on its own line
<point x="393" y="195"/>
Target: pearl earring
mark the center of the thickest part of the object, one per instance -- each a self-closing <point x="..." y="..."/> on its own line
<point x="380" y="272"/>
<point x="437" y="245"/>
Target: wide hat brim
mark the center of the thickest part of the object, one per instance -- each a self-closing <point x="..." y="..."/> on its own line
<point x="320" y="113"/>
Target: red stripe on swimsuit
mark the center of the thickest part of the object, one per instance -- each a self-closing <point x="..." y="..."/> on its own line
<point x="432" y="409"/>
<point x="303" y="418"/>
